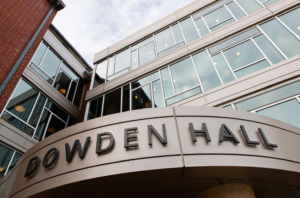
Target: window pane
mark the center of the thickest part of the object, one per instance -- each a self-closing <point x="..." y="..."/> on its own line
<point x="217" y="16"/>
<point x="233" y="40"/>
<point x="50" y="63"/>
<point x="222" y="25"/>
<point x="157" y="94"/>
<point x="242" y="55"/>
<point x="253" y="68"/>
<point x="211" y="8"/>
<point x="146" y="53"/>
<point x="42" y="125"/>
<point x="100" y="74"/>
<point x="183" y="96"/>
<point x="268" y="48"/>
<point x="57" y="110"/>
<point x="39" y="54"/>
<point x="228" y="107"/>
<point x="207" y="73"/>
<point x="145" y="80"/>
<point x="141" y="98"/>
<point x="201" y="27"/>
<point x="167" y="82"/>
<point x="142" y="43"/>
<point x="72" y="91"/>
<point x="16" y="158"/>
<point x="170" y="49"/>
<point x="37" y="111"/>
<point x="71" y="122"/>
<point x="269" y="97"/>
<point x="78" y="94"/>
<point x="249" y="6"/>
<point x="177" y="33"/>
<point x="95" y="108"/>
<point x="122" y="61"/>
<point x="286" y="112"/>
<point x="134" y="60"/>
<point x="17" y="123"/>
<point x="291" y="19"/>
<point x="184" y="75"/>
<point x="22" y="101"/>
<point x="223" y="68"/>
<point x="41" y="73"/>
<point x="69" y="71"/>
<point x="284" y="39"/>
<point x="112" y="102"/>
<point x="54" y="126"/>
<point x="111" y="65"/>
<point x="270" y="2"/>
<point x="164" y="40"/>
<point x="62" y="82"/>
<point x="236" y="10"/>
<point x="126" y="98"/>
<point x="5" y="156"/>
<point x="189" y="30"/>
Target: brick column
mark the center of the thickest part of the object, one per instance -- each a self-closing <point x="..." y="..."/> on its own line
<point x="228" y="191"/>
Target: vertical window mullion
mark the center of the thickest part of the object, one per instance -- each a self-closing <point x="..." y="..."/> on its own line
<point x="289" y="29"/>
<point x="240" y="7"/>
<point x="50" y="117"/>
<point x="173" y="34"/>
<point x="156" y="53"/>
<point x="102" y="106"/>
<point x="202" y="90"/>
<point x="93" y="78"/>
<point x="232" y="105"/>
<point x="230" y="12"/>
<point x="87" y="111"/>
<point x="43" y="56"/>
<point x="228" y="64"/>
<point x="182" y="33"/>
<point x="37" y="98"/>
<point x="38" y="122"/>
<point x="163" y="93"/>
<point x="151" y="92"/>
<point x="261" y="51"/>
<point x="130" y="97"/>
<point x="56" y="73"/>
<point x="75" y="92"/>
<point x="261" y="4"/>
<point x="196" y="26"/>
<point x="121" y="105"/>
<point x="205" y="23"/>
<point x="212" y="62"/>
<point x="9" y="163"/>
<point x="172" y="79"/>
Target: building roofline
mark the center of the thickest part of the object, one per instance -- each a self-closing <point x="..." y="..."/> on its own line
<point x="71" y="46"/>
<point x="61" y="4"/>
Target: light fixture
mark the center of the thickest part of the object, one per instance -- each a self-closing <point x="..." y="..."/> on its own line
<point x="36" y="137"/>
<point x="134" y="60"/>
<point x="62" y="91"/>
<point x="149" y="52"/>
<point x="1" y="169"/>
<point x="20" y="108"/>
<point x="166" y="45"/>
<point x="51" y="129"/>
<point x="174" y="80"/>
<point x="238" y="53"/>
<point x="198" y="30"/>
<point x="154" y="89"/>
<point x="227" y="73"/>
<point x="136" y="97"/>
<point x="215" y="63"/>
<point x="298" y="28"/>
<point x="217" y="20"/>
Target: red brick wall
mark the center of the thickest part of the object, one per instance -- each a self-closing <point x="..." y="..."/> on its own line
<point x="19" y="20"/>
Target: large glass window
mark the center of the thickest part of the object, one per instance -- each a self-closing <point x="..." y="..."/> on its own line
<point x="164" y="39"/>
<point x="8" y="159"/>
<point x="250" y="6"/>
<point x="141" y="98"/>
<point x="122" y="61"/>
<point x="100" y="73"/>
<point x="189" y="30"/>
<point x="146" y="53"/>
<point x="291" y="19"/>
<point x="29" y="110"/>
<point x="216" y="17"/>
<point x="112" y="102"/>
<point x="223" y="69"/>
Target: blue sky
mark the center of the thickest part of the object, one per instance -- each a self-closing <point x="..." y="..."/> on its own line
<point x="93" y="25"/>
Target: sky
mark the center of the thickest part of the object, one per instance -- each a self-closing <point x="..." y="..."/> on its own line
<point x="93" y="25"/>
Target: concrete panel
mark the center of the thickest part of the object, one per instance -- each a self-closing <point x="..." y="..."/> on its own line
<point x="100" y="55"/>
<point x="51" y="92"/>
<point x="64" y="53"/>
<point x="94" y="92"/>
<point x="282" y="5"/>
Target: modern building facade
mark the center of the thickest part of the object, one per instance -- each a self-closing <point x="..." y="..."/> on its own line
<point x="202" y="103"/>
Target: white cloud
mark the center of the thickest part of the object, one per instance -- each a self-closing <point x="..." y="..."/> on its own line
<point x="93" y="25"/>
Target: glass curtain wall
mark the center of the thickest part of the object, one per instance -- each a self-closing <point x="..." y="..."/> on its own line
<point x="33" y="113"/>
<point x="8" y="159"/>
<point x="177" y="35"/>
<point x="55" y="71"/>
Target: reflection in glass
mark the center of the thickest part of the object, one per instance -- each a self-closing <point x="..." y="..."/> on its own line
<point x="177" y="33"/>
<point x="189" y="30"/>
<point x="236" y="10"/>
<point x="228" y="107"/>
<point x="62" y="82"/>
<point x="170" y="49"/>
<point x="242" y="55"/>
<point x="95" y="108"/>
<point x="270" y="2"/>
<point x="207" y="73"/>
<point x="111" y="65"/>
<point x="141" y="98"/>
<point x="15" y="159"/>
<point x="210" y="8"/>
<point x="126" y="98"/>
<point x="183" y="96"/>
<point x="78" y="94"/>
<point x="39" y="54"/>
<point x="17" y="123"/>
<point x="112" y="102"/>
<point x="291" y="19"/>
<point x="69" y="71"/>
<point x="184" y="75"/>
<point x="268" y="48"/>
<point x="286" y="112"/>
<point x="157" y="94"/>
<point x="37" y="111"/>
<point x="72" y="91"/>
<point x="217" y="16"/>
<point x="54" y="126"/>
<point x="122" y="61"/>
<point x="148" y="40"/>
<point x="100" y="73"/>
<point x="5" y="156"/>
<point x="167" y="82"/>
<point x="284" y="39"/>
<point x="269" y="97"/>
<point x="222" y="25"/>
<point x="252" y="68"/>
<point x="222" y="67"/>
<point x="164" y="40"/>
<point x="22" y="101"/>
<point x="250" y="6"/>
<point x="201" y="27"/>
<point x="42" y="125"/>
<point x="145" y="80"/>
<point x="41" y="73"/>
<point x="146" y="53"/>
<point x="134" y="59"/>
<point x="50" y="63"/>
<point x="57" y="110"/>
